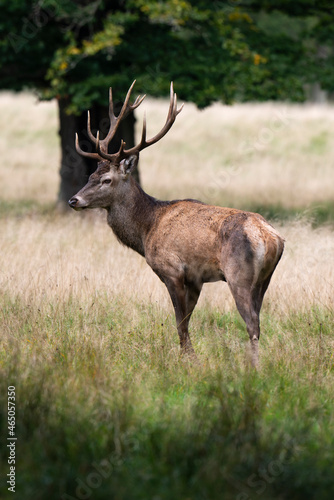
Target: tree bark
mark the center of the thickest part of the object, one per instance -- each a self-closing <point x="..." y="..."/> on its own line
<point x="75" y="169"/>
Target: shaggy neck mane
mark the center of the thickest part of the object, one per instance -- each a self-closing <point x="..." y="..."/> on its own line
<point x="132" y="215"/>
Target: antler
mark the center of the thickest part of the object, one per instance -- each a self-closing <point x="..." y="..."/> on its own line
<point x="102" y="145"/>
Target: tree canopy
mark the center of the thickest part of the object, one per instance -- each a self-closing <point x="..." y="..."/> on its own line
<point x="231" y="50"/>
<point x="235" y="50"/>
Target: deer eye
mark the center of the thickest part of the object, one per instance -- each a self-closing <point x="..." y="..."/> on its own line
<point x="106" y="181"/>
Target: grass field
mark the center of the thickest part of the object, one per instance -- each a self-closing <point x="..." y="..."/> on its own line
<point x="105" y="406"/>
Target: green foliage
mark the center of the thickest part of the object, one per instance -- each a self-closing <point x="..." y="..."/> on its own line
<point x="214" y="51"/>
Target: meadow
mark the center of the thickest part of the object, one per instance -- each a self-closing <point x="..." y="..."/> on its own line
<point x="105" y="406"/>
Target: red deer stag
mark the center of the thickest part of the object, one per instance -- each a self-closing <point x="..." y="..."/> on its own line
<point x="186" y="242"/>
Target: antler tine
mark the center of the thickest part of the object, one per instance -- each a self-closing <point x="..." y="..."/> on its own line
<point x="175" y="110"/>
<point x="100" y="152"/>
<point x="121" y="149"/>
<point x="111" y="105"/>
<point x="126" y="105"/>
<point x="179" y="110"/>
<point x="89" y="130"/>
<point x="115" y="121"/>
<point x="112" y="125"/>
<point x="95" y="156"/>
<point x="137" y="102"/>
<point x="143" y="133"/>
<point x="171" y="116"/>
<point x="98" y="147"/>
<point x="172" y="99"/>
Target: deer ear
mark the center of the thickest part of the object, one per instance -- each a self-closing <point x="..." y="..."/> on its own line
<point x="128" y="165"/>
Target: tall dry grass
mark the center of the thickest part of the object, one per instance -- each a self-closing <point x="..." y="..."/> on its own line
<point x="54" y="258"/>
<point x="256" y="153"/>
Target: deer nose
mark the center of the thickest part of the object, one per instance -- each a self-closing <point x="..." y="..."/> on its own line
<point x="72" y="202"/>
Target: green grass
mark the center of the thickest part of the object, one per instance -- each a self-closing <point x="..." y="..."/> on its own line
<point x="317" y="213"/>
<point x="106" y="408"/>
<point x="318" y="143"/>
<point x="24" y="208"/>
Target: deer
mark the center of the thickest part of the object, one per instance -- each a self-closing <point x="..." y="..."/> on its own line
<point x="186" y="242"/>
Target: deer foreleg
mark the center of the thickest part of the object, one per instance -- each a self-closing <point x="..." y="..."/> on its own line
<point x="184" y="298"/>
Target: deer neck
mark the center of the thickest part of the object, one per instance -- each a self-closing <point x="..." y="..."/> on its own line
<point x="131" y="215"/>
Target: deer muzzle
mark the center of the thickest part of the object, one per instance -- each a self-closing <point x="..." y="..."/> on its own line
<point x="77" y="203"/>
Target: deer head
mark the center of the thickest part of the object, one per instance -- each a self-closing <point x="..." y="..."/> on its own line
<point x="109" y="180"/>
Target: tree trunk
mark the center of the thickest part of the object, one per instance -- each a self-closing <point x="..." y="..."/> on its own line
<point x="75" y="169"/>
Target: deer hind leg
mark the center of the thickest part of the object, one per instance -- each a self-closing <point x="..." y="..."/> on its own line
<point x="184" y="298"/>
<point x="248" y="303"/>
<point x="249" y="300"/>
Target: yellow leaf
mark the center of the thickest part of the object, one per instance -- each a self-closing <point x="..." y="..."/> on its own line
<point x="73" y="51"/>
<point x="257" y="59"/>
